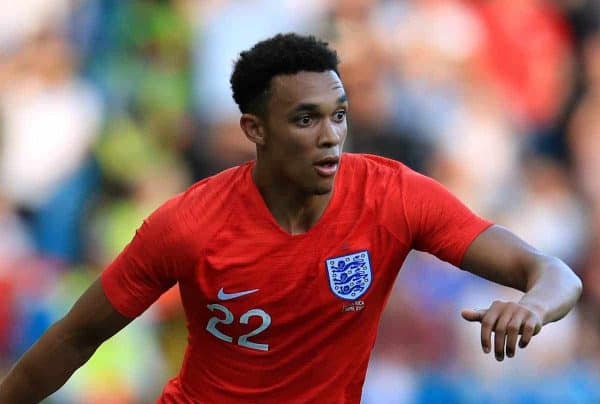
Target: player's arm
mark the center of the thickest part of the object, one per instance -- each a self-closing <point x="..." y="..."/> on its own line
<point x="63" y="348"/>
<point x="551" y="289"/>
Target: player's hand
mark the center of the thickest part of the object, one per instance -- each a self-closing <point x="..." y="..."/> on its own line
<point x="507" y="320"/>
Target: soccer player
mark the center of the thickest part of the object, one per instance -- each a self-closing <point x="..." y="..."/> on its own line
<point x="285" y="263"/>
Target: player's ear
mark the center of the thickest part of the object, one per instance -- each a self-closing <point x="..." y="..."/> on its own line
<point x="253" y="128"/>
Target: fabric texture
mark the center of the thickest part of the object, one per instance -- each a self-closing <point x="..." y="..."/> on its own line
<point x="274" y="317"/>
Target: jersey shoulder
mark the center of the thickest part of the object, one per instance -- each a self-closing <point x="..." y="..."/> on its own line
<point x="219" y="186"/>
<point x="205" y="205"/>
<point x="375" y="173"/>
<point x="382" y="184"/>
<point x="374" y="163"/>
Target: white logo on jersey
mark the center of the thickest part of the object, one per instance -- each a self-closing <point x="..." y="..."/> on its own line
<point x="228" y="296"/>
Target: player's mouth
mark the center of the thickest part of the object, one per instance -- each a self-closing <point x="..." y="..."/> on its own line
<point x="327" y="166"/>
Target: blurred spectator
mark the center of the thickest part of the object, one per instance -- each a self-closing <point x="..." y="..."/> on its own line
<point x="433" y="43"/>
<point x="583" y="15"/>
<point x="15" y="247"/>
<point x="27" y="19"/>
<point x="547" y="212"/>
<point x="584" y="139"/>
<point x="15" y="242"/>
<point x="585" y="125"/>
<point x="477" y="154"/>
<point x="527" y="54"/>
<point x="46" y="111"/>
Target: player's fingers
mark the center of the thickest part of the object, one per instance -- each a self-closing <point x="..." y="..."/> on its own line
<point x="500" y="331"/>
<point x="488" y="322"/>
<point x="512" y="332"/>
<point x="473" y="315"/>
<point x="531" y="327"/>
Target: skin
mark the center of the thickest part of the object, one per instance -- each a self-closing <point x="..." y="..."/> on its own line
<point x="551" y="289"/>
<point x="306" y="121"/>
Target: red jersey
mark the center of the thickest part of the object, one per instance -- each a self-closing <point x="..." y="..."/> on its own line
<point x="281" y="318"/>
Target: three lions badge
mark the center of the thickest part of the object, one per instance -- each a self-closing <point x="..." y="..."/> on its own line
<point x="350" y="275"/>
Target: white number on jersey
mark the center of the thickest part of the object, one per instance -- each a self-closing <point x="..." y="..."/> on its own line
<point x="266" y="322"/>
<point x="211" y="326"/>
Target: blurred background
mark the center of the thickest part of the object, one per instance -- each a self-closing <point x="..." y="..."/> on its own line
<point x="109" y="107"/>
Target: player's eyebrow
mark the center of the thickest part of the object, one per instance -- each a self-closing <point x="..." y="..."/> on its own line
<point x="309" y="107"/>
<point x="306" y="107"/>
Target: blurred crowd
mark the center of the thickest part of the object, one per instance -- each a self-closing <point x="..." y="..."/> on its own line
<point x="109" y="107"/>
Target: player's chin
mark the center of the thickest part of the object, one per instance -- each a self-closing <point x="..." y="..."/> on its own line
<point x="323" y="191"/>
<point x="324" y="187"/>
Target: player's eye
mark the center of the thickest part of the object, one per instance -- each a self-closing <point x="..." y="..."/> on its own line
<point x="304" y="121"/>
<point x="339" y="115"/>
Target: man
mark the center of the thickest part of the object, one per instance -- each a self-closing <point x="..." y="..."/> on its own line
<point x="284" y="264"/>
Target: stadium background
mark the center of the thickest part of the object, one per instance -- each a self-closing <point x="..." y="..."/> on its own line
<point x="108" y="107"/>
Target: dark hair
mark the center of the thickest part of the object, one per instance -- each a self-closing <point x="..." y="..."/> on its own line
<point x="281" y="54"/>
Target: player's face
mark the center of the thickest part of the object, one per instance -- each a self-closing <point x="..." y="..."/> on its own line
<point x="306" y="129"/>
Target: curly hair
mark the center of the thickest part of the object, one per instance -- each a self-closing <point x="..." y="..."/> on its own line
<point x="282" y="54"/>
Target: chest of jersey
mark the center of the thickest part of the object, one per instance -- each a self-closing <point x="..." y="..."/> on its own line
<point x="254" y="286"/>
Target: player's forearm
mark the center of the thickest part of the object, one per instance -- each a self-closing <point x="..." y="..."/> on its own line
<point x="45" y="367"/>
<point x="552" y="289"/>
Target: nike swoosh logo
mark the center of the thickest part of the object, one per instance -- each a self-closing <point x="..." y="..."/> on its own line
<point x="228" y="296"/>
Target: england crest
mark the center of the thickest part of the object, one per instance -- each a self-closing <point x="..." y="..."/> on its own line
<point x="350" y="275"/>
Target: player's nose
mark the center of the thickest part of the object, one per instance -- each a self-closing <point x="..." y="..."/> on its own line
<point x="331" y="135"/>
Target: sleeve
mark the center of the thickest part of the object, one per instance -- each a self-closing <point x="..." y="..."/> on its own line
<point x="146" y="268"/>
<point x="437" y="221"/>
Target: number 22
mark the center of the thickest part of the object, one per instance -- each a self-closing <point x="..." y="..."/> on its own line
<point x="211" y="326"/>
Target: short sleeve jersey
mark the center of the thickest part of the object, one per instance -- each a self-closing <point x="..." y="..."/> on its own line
<point x="280" y="318"/>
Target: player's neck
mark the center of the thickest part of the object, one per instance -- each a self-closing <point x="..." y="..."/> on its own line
<point x="295" y="211"/>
